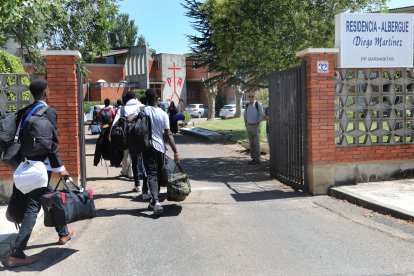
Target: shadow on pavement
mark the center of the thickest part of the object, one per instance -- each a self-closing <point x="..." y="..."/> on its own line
<point x="171" y="210"/>
<point x="266" y="195"/>
<point x="47" y="258"/>
<point x="225" y="169"/>
<point x="115" y="195"/>
<point x="98" y="178"/>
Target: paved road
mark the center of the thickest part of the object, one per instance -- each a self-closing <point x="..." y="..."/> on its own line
<point x="237" y="221"/>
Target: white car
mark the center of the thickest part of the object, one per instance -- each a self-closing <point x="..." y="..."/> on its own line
<point x="227" y="111"/>
<point x="89" y="114"/>
<point x="197" y="110"/>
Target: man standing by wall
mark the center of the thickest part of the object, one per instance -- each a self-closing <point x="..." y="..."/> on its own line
<point x="253" y="115"/>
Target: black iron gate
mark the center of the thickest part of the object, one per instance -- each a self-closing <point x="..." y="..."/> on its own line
<point x="81" y="127"/>
<point x="287" y="98"/>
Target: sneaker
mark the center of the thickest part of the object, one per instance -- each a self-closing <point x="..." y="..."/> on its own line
<point x="15" y="262"/>
<point x="157" y="207"/>
<point x="136" y="189"/>
<point x="146" y="196"/>
<point x="63" y="240"/>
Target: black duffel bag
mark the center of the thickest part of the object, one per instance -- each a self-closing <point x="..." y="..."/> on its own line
<point x="70" y="204"/>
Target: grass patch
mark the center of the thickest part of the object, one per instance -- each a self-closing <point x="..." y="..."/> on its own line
<point x="236" y="125"/>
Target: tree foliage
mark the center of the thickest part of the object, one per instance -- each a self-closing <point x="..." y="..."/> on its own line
<point x="81" y="25"/>
<point x="249" y="39"/>
<point x="124" y="32"/>
<point x="10" y="63"/>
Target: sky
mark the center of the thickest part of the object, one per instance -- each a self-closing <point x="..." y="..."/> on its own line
<point x="164" y="24"/>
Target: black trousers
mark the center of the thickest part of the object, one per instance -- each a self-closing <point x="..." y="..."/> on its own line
<point x="29" y="220"/>
<point x="137" y="168"/>
<point x="153" y="165"/>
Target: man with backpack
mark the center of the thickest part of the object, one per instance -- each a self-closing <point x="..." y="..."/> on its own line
<point x="253" y="116"/>
<point x="153" y="156"/>
<point x="106" y="115"/>
<point x="103" y="148"/>
<point x="118" y="138"/>
<point x="53" y="163"/>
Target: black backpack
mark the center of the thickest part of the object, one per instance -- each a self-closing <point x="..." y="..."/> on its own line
<point x="118" y="132"/>
<point x="138" y="132"/>
<point x="8" y="128"/>
<point x="36" y="135"/>
<point x="106" y="118"/>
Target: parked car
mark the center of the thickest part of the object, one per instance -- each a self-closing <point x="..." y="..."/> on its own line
<point x="197" y="110"/>
<point x="227" y="111"/>
<point x="164" y="106"/>
<point x="90" y="114"/>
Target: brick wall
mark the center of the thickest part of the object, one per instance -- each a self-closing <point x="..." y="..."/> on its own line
<point x="63" y="86"/>
<point x="321" y="122"/>
<point x="108" y="72"/>
<point x="101" y="93"/>
<point x="330" y="165"/>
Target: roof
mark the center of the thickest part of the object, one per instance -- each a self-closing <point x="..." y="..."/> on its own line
<point x="407" y="9"/>
<point x="116" y="52"/>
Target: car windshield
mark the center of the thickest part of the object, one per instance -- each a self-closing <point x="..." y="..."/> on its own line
<point x="228" y="107"/>
<point x="192" y="106"/>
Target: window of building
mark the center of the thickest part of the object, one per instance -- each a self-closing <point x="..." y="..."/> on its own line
<point x="157" y="88"/>
<point x="194" y="65"/>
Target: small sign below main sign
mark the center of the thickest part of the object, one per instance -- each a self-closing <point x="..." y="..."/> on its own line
<point x="323" y="66"/>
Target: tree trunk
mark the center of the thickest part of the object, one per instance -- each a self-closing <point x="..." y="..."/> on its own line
<point x="239" y="96"/>
<point x="211" y="97"/>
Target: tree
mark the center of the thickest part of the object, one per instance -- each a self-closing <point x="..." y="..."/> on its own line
<point x="81" y="25"/>
<point x="142" y="41"/>
<point x="124" y="32"/>
<point x="259" y="37"/>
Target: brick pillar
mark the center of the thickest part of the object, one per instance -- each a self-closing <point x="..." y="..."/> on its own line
<point x="320" y="92"/>
<point x="63" y="86"/>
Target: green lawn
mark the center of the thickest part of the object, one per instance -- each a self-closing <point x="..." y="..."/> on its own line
<point x="236" y="125"/>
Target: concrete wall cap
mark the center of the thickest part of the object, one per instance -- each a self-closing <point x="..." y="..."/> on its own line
<point x="75" y="53"/>
<point x="317" y="51"/>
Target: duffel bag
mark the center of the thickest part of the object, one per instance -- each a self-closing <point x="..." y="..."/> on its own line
<point x="178" y="186"/>
<point x="70" y="204"/>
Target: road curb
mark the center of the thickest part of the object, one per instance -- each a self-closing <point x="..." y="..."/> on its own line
<point x="371" y="204"/>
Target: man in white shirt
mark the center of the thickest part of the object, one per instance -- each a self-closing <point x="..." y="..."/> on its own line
<point x="153" y="157"/>
<point x="253" y="116"/>
<point x="131" y="106"/>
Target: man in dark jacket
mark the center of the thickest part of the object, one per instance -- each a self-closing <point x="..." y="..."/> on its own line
<point x="53" y="163"/>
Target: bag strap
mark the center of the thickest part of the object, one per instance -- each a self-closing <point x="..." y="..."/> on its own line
<point x="122" y="111"/>
<point x="43" y="110"/>
<point x="66" y="185"/>
<point x="177" y="165"/>
<point x="31" y="113"/>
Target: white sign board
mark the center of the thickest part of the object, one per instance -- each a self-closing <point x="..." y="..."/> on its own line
<point x="370" y="40"/>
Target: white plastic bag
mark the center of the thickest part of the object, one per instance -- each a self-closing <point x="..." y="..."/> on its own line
<point x="30" y="175"/>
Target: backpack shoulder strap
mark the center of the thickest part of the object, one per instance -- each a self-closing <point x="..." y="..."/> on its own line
<point x="122" y="113"/>
<point x="31" y="113"/>
<point x="42" y="110"/>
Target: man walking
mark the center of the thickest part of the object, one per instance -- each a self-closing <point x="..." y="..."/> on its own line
<point x="53" y="163"/>
<point x="253" y="115"/>
<point x="131" y="106"/>
<point x="153" y="157"/>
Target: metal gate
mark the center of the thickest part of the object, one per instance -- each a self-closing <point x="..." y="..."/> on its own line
<point x="14" y="91"/>
<point x="287" y="98"/>
<point x="81" y="127"/>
